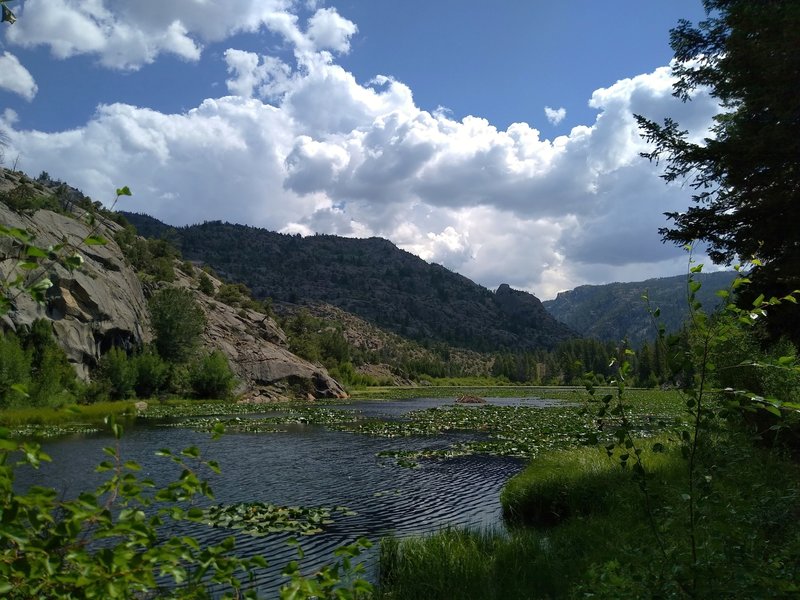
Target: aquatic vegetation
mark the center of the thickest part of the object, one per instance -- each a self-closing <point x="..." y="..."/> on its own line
<point x="258" y="518"/>
<point x="520" y="431"/>
<point x="290" y="415"/>
<point x="493" y="391"/>
<point x="52" y="431"/>
<point x="200" y="408"/>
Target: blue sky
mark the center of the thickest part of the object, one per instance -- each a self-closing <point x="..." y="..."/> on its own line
<point x="494" y="138"/>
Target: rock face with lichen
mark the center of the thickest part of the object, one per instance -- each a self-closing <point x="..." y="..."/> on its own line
<point x="103" y="305"/>
<point x="257" y="352"/>
<point x="92" y="309"/>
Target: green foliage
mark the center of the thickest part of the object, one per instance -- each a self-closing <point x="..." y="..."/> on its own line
<point x="258" y="518"/>
<point x="177" y="322"/>
<point x="109" y="542"/>
<point x="210" y="376"/>
<point x="745" y="174"/>
<point x="33" y="370"/>
<point x="153" y="259"/>
<point x="54" y="383"/>
<point x="609" y="551"/>
<point x="321" y="341"/>
<point x="714" y="347"/>
<point x="205" y="285"/>
<point x="341" y="580"/>
<point x="25" y="197"/>
<point x="151" y="373"/>
<point x="15" y="371"/>
<point x="568" y="484"/>
<point x="116" y="371"/>
<point x="231" y="294"/>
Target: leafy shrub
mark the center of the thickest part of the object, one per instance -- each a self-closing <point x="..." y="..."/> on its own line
<point x="162" y="269"/>
<point x="210" y="376"/>
<point x="178" y="323"/>
<point x="230" y="294"/>
<point x="205" y="285"/>
<point x="117" y="372"/>
<point x="15" y="370"/>
<point x="54" y="382"/>
<point x="150" y="373"/>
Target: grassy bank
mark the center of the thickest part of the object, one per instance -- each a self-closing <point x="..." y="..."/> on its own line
<point x="590" y="533"/>
<point x="89" y="413"/>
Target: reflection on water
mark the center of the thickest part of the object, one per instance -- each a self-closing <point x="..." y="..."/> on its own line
<point x="310" y="466"/>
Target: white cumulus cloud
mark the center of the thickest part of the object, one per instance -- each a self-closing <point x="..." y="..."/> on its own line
<point x="16" y="78"/>
<point x="127" y="35"/>
<point x="307" y="147"/>
<point x="555" y="115"/>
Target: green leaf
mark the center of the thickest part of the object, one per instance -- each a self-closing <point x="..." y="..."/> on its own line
<point x="73" y="262"/>
<point x="21" y="389"/>
<point x="36" y="252"/>
<point x="191" y="452"/>
<point x="124" y="191"/>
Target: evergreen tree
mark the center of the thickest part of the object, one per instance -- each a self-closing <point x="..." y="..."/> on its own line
<point x="746" y="176"/>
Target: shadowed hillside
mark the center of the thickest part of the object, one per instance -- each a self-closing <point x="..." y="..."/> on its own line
<point x="616" y="311"/>
<point x="371" y="278"/>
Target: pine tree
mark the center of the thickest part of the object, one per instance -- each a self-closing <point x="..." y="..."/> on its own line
<point x="746" y="176"/>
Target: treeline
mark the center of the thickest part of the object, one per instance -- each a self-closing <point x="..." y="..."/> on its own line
<point x="323" y="341"/>
<point x="572" y="362"/>
<point x="667" y="362"/>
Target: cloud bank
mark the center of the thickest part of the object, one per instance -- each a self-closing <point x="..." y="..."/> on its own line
<point x="305" y="147"/>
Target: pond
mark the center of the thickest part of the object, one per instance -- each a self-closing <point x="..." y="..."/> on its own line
<point x="310" y="465"/>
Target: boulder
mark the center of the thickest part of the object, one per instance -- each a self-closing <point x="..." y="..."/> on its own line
<point x="257" y="353"/>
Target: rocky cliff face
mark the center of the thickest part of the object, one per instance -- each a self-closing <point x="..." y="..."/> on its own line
<point x="103" y="304"/>
<point x="257" y="352"/>
<point x="93" y="308"/>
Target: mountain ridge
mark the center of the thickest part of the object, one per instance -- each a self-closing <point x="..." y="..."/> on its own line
<point x="617" y="311"/>
<point x="371" y="278"/>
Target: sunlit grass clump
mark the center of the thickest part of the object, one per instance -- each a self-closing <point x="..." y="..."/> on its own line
<point x="582" y="527"/>
<point x="580" y="481"/>
<point x="89" y="413"/>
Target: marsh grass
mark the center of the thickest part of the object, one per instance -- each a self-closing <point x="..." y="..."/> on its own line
<point x="602" y="545"/>
<point x="580" y="481"/>
<point x="85" y="414"/>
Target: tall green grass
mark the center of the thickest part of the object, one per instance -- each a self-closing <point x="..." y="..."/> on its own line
<point x="576" y="482"/>
<point x="90" y="413"/>
<point x="602" y="545"/>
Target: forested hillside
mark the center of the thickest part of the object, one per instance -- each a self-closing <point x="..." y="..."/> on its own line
<point x="371" y="278"/>
<point x="618" y="311"/>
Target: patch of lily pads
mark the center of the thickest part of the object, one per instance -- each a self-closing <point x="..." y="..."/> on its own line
<point x="52" y="431"/>
<point x="309" y="415"/>
<point x="510" y="431"/>
<point x="258" y="518"/>
<point x="195" y="408"/>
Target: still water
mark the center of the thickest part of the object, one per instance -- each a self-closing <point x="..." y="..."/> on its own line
<point x="311" y="466"/>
